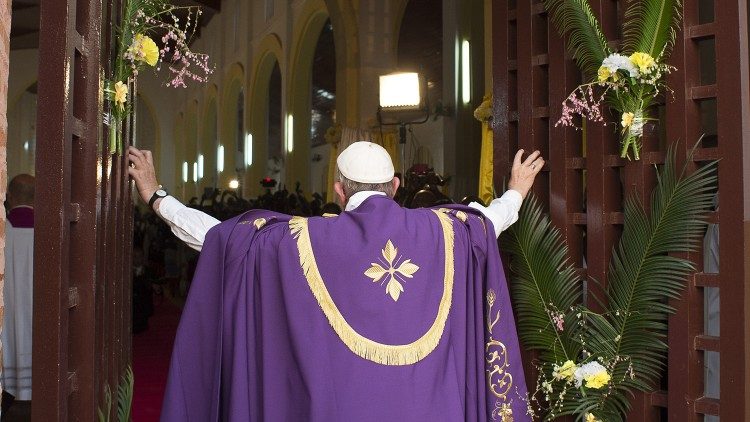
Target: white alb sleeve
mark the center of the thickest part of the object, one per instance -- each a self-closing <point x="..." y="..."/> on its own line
<point x="502" y="211"/>
<point x="188" y="224"/>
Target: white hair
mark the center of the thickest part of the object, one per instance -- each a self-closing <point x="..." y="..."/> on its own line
<point x="351" y="187"/>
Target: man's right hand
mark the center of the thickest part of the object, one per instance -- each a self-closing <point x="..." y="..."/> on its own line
<point x="143" y="172"/>
<point x="522" y="174"/>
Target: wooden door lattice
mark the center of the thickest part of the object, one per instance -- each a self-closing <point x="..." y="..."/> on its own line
<point x="585" y="180"/>
<point x="83" y="225"/>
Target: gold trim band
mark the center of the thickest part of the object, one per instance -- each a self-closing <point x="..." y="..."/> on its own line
<point x="385" y="354"/>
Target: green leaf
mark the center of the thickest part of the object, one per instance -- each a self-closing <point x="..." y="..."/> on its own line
<point x="644" y="271"/>
<point x="125" y="396"/>
<point x="543" y="282"/>
<point x="586" y="41"/>
<point x="650" y="26"/>
<point x="647" y="268"/>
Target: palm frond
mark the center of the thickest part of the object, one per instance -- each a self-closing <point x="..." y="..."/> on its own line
<point x="586" y="41"/>
<point x="125" y="395"/>
<point x="644" y="272"/>
<point x="543" y="282"/>
<point x="124" y="399"/>
<point x="651" y="25"/>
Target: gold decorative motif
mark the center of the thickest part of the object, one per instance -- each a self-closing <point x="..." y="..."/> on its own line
<point x="484" y="225"/>
<point x="405" y="269"/>
<point x="503" y="411"/>
<point x="384" y="354"/>
<point x="462" y="216"/>
<point x="259" y="222"/>
<point x="329" y="215"/>
<point x="499" y="381"/>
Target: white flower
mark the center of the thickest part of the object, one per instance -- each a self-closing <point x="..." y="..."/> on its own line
<point x="617" y="62"/>
<point x="587" y="370"/>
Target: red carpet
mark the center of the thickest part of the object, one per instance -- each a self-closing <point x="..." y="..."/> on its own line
<point x="152" y="350"/>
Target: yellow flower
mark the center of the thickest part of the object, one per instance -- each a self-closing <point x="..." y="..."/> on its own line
<point x="591" y="418"/>
<point x="121" y="94"/>
<point x="597" y="380"/>
<point x="144" y="49"/>
<point x="565" y="371"/>
<point x="604" y="73"/>
<point x="627" y="119"/>
<point x="643" y="61"/>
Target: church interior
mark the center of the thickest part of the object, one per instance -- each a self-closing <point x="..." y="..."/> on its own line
<point x="291" y="83"/>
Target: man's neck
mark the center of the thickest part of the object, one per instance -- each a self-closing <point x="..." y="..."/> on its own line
<point x="358" y="198"/>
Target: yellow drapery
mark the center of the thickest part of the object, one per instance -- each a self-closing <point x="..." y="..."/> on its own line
<point x="486" y="189"/>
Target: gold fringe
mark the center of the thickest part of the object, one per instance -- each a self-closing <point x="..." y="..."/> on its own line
<point x="385" y="354"/>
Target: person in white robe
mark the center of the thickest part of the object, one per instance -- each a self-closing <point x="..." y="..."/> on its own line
<point x="18" y="300"/>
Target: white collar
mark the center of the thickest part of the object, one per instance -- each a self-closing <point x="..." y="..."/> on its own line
<point x="358" y="198"/>
<point x="21" y="206"/>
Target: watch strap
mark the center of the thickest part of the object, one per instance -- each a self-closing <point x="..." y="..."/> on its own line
<point x="156" y="196"/>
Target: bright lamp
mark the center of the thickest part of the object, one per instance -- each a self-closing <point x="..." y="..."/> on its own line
<point x="248" y="150"/>
<point x="220" y="158"/>
<point x="289" y="133"/>
<point x="234" y="184"/>
<point x="400" y="91"/>
<point x="184" y="171"/>
<point x="465" y="72"/>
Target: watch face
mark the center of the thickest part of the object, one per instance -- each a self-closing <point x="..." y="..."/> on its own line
<point x="161" y="192"/>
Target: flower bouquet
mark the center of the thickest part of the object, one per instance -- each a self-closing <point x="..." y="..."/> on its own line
<point x="627" y="81"/>
<point x="136" y="50"/>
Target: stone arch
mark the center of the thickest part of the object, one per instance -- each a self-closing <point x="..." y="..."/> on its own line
<point x="209" y="137"/>
<point x="234" y="87"/>
<point x="178" y="137"/>
<point x="145" y="108"/>
<point x="21" y="130"/>
<point x="345" y="33"/>
<point x="190" y="146"/>
<point x="312" y="19"/>
<point x="270" y="54"/>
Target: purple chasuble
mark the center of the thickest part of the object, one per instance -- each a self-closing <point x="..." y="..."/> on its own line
<point x="379" y="314"/>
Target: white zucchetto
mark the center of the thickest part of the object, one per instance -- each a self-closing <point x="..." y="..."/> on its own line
<point x="366" y="162"/>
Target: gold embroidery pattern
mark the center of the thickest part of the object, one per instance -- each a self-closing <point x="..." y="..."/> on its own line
<point x="384" y="354"/>
<point x="503" y="411"/>
<point x="259" y="222"/>
<point x="462" y="216"/>
<point x="329" y="215"/>
<point x="377" y="272"/>
<point x="459" y="214"/>
<point x="499" y="381"/>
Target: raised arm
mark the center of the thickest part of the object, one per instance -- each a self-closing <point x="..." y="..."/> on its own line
<point x="503" y="211"/>
<point x="188" y="224"/>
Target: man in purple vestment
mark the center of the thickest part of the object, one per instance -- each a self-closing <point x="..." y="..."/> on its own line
<point x="379" y="314"/>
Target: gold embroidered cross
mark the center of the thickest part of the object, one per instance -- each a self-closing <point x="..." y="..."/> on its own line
<point x="378" y="272"/>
